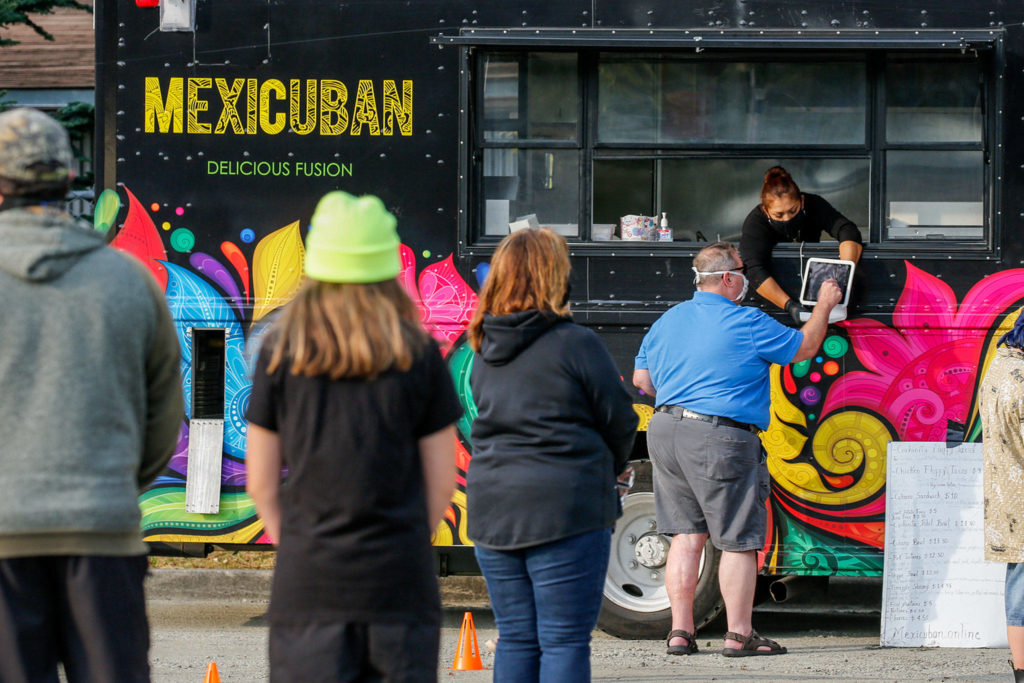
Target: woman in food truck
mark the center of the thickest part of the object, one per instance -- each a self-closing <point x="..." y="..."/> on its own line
<point x="786" y="214"/>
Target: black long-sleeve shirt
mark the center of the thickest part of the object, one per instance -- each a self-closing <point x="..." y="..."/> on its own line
<point x="760" y="236"/>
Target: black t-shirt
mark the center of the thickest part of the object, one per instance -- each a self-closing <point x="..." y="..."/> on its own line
<point x="760" y="236"/>
<point x="355" y="538"/>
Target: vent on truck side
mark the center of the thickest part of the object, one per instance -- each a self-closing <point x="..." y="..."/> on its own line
<point x="206" y="428"/>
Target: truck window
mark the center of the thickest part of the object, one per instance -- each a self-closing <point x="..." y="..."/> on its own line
<point x="934" y="160"/>
<point x="530" y="140"/>
<point x="576" y="140"/>
<point x="676" y="101"/>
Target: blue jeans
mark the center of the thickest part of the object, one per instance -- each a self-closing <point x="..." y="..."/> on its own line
<point x="546" y="599"/>
<point x="1014" y="594"/>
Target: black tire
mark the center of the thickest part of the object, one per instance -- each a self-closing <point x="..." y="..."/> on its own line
<point x="635" y="603"/>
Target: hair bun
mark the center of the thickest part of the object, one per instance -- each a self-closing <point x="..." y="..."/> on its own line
<point x="778" y="183"/>
<point x="776" y="173"/>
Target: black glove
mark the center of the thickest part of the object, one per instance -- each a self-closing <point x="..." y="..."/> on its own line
<point x="795" y="309"/>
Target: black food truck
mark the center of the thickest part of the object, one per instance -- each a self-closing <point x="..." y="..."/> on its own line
<point x="222" y="123"/>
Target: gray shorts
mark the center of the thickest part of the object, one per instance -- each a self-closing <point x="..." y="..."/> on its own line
<point x="709" y="479"/>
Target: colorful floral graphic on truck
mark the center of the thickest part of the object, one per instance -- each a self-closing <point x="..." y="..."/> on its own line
<point x="833" y="416"/>
<point x="213" y="294"/>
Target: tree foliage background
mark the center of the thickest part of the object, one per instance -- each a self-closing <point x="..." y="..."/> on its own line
<point x="21" y="12"/>
<point x="77" y="117"/>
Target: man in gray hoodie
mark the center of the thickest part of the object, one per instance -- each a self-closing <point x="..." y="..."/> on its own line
<point x="90" y="408"/>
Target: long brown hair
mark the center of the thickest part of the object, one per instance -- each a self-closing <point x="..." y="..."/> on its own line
<point x="529" y="270"/>
<point x="347" y="330"/>
<point x="778" y="183"/>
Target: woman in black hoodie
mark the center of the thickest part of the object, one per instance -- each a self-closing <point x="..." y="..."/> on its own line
<point x="555" y="428"/>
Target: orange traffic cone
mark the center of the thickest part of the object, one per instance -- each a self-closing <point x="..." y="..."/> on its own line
<point x="467" y="656"/>
<point x="211" y="674"/>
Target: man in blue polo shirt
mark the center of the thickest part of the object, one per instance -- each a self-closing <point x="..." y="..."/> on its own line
<point x="706" y="360"/>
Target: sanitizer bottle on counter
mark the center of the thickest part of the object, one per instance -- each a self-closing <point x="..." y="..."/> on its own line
<point x="664" y="232"/>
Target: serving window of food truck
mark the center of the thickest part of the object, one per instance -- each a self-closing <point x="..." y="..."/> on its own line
<point x="898" y="140"/>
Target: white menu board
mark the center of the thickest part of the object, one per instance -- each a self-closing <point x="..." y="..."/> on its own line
<point x="937" y="588"/>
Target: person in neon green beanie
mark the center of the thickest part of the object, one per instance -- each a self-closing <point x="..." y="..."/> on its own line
<point x="352" y="395"/>
<point x="352" y="240"/>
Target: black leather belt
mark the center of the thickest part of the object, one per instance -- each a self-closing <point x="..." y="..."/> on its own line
<point x="679" y="412"/>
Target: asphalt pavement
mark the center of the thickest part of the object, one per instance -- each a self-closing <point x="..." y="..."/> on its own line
<point x="199" y="616"/>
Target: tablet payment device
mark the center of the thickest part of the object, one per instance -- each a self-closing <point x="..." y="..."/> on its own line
<point x="816" y="272"/>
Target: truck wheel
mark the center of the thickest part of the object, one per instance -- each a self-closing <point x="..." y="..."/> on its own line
<point x="635" y="601"/>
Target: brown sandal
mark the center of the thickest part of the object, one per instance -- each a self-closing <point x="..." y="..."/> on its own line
<point x="691" y="643"/>
<point x="750" y="645"/>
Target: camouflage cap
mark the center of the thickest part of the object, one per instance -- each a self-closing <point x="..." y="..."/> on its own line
<point x="35" y="153"/>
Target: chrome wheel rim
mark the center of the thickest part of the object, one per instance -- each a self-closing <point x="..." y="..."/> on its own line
<point x="636" y="567"/>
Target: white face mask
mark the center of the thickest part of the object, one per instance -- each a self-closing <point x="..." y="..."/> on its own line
<point x="746" y="283"/>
